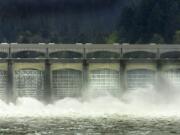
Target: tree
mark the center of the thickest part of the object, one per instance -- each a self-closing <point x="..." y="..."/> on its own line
<point x="151" y="17"/>
<point x="112" y="38"/>
<point x="157" y="39"/>
<point x="176" y="39"/>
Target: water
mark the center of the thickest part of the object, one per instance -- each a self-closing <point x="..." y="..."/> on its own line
<point x="110" y="125"/>
<point x="138" y="112"/>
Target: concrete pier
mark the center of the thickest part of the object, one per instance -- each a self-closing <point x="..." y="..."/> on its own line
<point x="10" y="81"/>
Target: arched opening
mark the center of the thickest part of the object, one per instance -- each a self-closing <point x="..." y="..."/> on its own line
<point x="28" y="54"/>
<point x="29" y="83"/>
<point x="103" y="54"/>
<point x="171" y="55"/>
<point x="3" y="55"/>
<point x="65" y="54"/>
<point x="139" y="54"/>
<point x="140" y="78"/>
<point x="104" y="81"/>
<point x="66" y="83"/>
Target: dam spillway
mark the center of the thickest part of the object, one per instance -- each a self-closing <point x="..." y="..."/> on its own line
<point x="104" y="80"/>
<point x="3" y="84"/>
<point x="141" y="78"/>
<point x="28" y="82"/>
<point x="55" y="71"/>
<point x="66" y="83"/>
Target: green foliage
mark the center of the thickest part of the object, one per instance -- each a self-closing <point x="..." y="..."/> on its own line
<point x="112" y="38"/>
<point x="177" y="37"/>
<point x="152" y="20"/>
<point x="157" y="39"/>
<point x="102" y="21"/>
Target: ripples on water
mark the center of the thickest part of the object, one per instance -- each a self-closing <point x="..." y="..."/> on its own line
<point x="112" y="125"/>
<point x="142" y="112"/>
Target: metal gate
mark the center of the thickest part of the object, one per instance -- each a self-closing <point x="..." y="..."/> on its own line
<point x="29" y="83"/>
<point x="174" y="77"/>
<point x="140" y="78"/>
<point x="3" y="84"/>
<point x="66" y="83"/>
<point x="104" y="81"/>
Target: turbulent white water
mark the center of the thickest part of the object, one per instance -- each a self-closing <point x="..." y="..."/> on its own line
<point x="141" y="102"/>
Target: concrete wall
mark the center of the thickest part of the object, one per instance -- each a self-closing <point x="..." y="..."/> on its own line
<point x="170" y="66"/>
<point x="20" y="66"/>
<point x="98" y="66"/>
<point x="3" y="66"/>
<point x="59" y="66"/>
<point x="140" y="65"/>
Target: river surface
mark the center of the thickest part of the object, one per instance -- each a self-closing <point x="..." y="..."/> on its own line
<point x="109" y="125"/>
<point x="142" y="112"/>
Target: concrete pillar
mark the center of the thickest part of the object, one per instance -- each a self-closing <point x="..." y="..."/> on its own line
<point x="85" y="71"/>
<point x="85" y="75"/>
<point x="47" y="82"/>
<point x="159" y="78"/>
<point x="158" y="55"/>
<point x="122" y="75"/>
<point x="159" y="65"/>
<point x="10" y="92"/>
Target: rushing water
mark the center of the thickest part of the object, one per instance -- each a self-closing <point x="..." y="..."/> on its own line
<point x="139" y="112"/>
<point x="110" y="125"/>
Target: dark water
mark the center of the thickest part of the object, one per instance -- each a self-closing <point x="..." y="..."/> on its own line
<point x="112" y="125"/>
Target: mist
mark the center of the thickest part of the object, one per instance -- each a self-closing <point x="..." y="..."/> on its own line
<point x="151" y="102"/>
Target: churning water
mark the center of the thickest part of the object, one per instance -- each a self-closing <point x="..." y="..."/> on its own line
<point x="137" y="112"/>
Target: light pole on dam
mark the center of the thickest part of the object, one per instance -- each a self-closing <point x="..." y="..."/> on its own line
<point x="54" y="71"/>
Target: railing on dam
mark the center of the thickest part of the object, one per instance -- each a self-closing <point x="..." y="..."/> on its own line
<point x="55" y="71"/>
<point x="88" y="51"/>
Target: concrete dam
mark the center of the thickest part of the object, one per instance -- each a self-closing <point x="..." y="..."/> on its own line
<point x="50" y="72"/>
